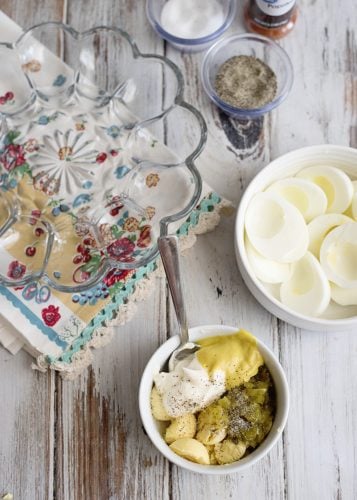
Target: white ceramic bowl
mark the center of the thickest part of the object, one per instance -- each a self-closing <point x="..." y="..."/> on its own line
<point x="285" y="166"/>
<point x="152" y="426"/>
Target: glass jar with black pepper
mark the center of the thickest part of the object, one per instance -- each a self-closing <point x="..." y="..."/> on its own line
<point x="245" y="82"/>
<point x="271" y="18"/>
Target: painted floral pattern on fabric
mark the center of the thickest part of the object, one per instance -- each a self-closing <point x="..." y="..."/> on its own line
<point x="34" y="291"/>
<point x="12" y="156"/>
<point x="116" y="275"/>
<point x="13" y="163"/>
<point x="121" y="250"/>
<point x="50" y="315"/>
<point x="16" y="270"/>
<point x="121" y="242"/>
<point x="112" y="282"/>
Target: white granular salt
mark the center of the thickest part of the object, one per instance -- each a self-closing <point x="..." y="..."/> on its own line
<point x="192" y="18"/>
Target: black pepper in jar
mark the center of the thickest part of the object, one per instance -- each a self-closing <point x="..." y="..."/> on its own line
<point x="245" y="82"/>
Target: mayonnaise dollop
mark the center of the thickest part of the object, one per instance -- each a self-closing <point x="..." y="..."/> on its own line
<point x="189" y="388"/>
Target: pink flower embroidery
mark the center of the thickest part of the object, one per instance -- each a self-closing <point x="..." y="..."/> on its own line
<point x="50" y="315"/>
<point x="13" y="156"/>
<point x="121" y="250"/>
<point x="16" y="270"/>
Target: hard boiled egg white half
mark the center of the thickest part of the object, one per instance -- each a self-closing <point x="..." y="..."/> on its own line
<point x="307" y="291"/>
<point x="352" y="209"/>
<point x="276" y="228"/>
<point x="320" y="227"/>
<point x="338" y="255"/>
<point x="343" y="296"/>
<point x="268" y="271"/>
<point x="307" y="197"/>
<point x="334" y="182"/>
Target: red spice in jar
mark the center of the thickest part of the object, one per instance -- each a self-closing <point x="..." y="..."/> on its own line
<point x="271" y="18"/>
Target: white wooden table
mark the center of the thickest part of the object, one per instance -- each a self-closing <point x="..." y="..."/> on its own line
<point x="83" y="439"/>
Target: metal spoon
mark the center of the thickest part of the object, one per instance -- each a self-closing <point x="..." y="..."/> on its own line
<point x="168" y="248"/>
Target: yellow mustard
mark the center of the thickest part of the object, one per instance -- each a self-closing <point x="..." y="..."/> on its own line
<point x="237" y="355"/>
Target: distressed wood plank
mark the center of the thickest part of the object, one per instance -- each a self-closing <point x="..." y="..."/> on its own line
<point x="321" y="432"/>
<point x="102" y="450"/>
<point x="32" y="12"/>
<point x="26" y="423"/>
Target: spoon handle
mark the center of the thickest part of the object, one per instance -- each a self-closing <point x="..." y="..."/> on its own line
<point x="168" y="247"/>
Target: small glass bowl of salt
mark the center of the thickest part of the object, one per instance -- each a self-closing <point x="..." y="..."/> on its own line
<point x="191" y="25"/>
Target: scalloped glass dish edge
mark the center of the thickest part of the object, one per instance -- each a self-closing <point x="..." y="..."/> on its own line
<point x="36" y="99"/>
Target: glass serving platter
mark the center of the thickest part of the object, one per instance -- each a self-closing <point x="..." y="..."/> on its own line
<point x="87" y="183"/>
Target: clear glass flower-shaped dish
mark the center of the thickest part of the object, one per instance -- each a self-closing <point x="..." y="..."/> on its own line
<point x="87" y="182"/>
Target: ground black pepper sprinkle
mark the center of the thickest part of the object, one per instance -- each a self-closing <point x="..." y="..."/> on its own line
<point x="246" y="82"/>
<point x="248" y="420"/>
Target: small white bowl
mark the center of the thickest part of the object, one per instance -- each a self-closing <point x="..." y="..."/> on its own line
<point x="152" y="426"/>
<point x="285" y="166"/>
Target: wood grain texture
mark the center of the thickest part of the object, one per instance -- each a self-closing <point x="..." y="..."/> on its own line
<point x="27" y="14"/>
<point x="26" y="428"/>
<point x="103" y="450"/>
<point x="83" y="439"/>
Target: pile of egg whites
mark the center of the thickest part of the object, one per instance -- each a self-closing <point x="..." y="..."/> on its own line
<point x="301" y="233"/>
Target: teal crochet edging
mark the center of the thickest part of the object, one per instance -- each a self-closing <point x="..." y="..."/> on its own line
<point x="206" y="205"/>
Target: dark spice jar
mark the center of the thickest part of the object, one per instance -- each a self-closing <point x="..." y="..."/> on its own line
<point x="271" y="18"/>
